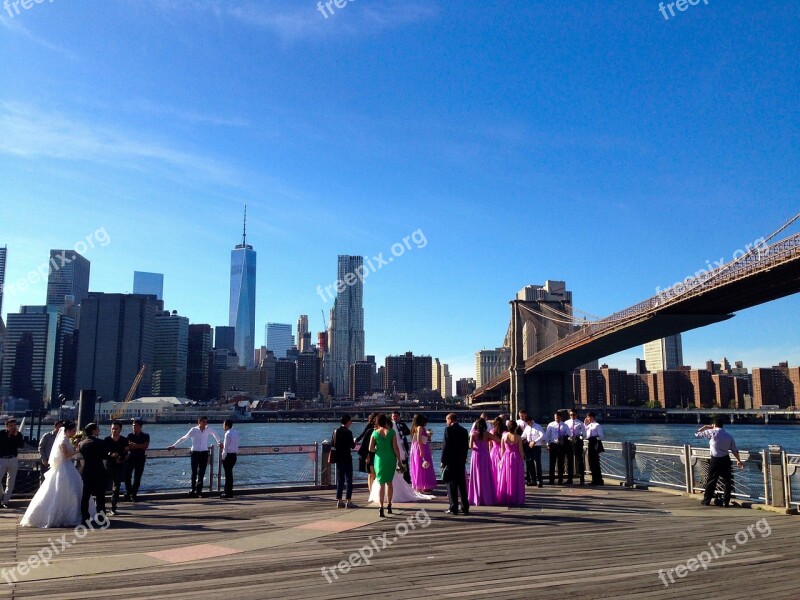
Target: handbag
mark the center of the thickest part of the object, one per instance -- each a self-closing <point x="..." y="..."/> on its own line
<point x="332" y="451"/>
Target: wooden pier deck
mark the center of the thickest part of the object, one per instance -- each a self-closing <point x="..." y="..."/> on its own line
<point x="570" y="542"/>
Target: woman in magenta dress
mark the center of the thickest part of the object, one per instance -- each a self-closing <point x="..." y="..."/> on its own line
<point x="423" y="475"/>
<point x="482" y="486"/>
<point x="494" y="446"/>
<point x="511" y="481"/>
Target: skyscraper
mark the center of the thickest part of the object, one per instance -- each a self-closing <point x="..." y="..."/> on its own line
<point x="170" y="354"/>
<point x="3" y="252"/>
<point x="36" y="340"/>
<point x="224" y="337"/>
<point x="308" y="369"/>
<point x="347" y="324"/>
<point x="117" y="337"/>
<point x="665" y="354"/>
<point x="148" y="283"/>
<point x="242" y="313"/>
<point x="69" y="276"/>
<point x="279" y="338"/>
<point x="303" y="344"/>
<point x="198" y="362"/>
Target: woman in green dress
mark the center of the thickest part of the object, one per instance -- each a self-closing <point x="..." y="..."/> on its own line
<point x="384" y="444"/>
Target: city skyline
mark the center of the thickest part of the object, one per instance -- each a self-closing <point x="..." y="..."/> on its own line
<point x="562" y="147"/>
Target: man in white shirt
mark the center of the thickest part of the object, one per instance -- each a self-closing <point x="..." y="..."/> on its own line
<point x="720" y="444"/>
<point x="594" y="435"/>
<point x="532" y="438"/>
<point x="522" y="419"/>
<point x="555" y="437"/>
<point x="199" y="437"/>
<point x="576" y="432"/>
<point x="230" y="447"/>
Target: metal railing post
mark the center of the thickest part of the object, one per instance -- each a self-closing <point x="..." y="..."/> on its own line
<point x="211" y="469"/>
<point x="688" y="468"/>
<point x="628" y="451"/>
<point x="325" y="467"/>
<point x="316" y="464"/>
<point x="787" y="490"/>
<point x="765" y="470"/>
<point x="777" y="477"/>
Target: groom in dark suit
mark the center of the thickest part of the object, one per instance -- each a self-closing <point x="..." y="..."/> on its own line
<point x="94" y="451"/>
<point x="454" y="461"/>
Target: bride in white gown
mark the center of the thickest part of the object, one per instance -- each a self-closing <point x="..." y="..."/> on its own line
<point x="403" y="492"/>
<point x="57" y="503"/>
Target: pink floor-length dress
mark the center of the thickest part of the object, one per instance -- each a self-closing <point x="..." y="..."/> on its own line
<point x="481" y="489"/>
<point x="422" y="478"/>
<point x="511" y="480"/>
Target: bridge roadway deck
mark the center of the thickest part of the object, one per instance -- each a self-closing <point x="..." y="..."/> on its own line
<point x="570" y="542"/>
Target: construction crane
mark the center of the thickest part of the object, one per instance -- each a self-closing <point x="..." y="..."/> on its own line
<point x="121" y="410"/>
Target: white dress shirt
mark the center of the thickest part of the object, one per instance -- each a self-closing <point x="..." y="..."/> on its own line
<point x="575" y="427"/>
<point x="594" y="429"/>
<point x="400" y="445"/>
<point x="720" y="442"/>
<point x="230" y="445"/>
<point x="199" y="438"/>
<point x="554" y="431"/>
<point x="533" y="433"/>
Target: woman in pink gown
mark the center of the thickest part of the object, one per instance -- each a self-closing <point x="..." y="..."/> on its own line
<point x="481" y="489"/>
<point x="511" y="481"/>
<point x="494" y="446"/>
<point x="420" y="460"/>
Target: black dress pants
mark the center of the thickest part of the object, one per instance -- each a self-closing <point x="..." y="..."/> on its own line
<point x="227" y="464"/>
<point x="719" y="467"/>
<point x="457" y="485"/>
<point x="556" y="459"/>
<point x="199" y="464"/>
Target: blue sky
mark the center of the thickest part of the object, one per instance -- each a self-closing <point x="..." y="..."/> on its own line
<point x="592" y="142"/>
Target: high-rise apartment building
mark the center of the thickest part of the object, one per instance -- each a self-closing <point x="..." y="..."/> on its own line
<point x="69" y="276"/>
<point x="360" y="379"/>
<point x="198" y="362"/>
<point x="346" y="336"/>
<point x="170" y="355"/>
<point x="117" y="337"/>
<point x="308" y="380"/>
<point x="491" y="363"/>
<point x="408" y="374"/>
<point x="242" y="312"/>
<point x="279" y="338"/>
<point x="148" y="283"/>
<point x="465" y="386"/>
<point x="441" y="380"/>
<point x="39" y="340"/>
<point x="665" y="354"/>
<point x="285" y="376"/>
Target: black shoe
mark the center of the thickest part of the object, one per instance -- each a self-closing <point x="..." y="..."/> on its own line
<point x="382" y="514"/>
<point x="465" y="512"/>
<point x="389" y="509"/>
<point x="134" y="499"/>
<point x="539" y="484"/>
<point x="5" y="505"/>
<point x="451" y="512"/>
<point x="126" y="498"/>
<point x="193" y="494"/>
<point x="226" y="495"/>
<point x="705" y="502"/>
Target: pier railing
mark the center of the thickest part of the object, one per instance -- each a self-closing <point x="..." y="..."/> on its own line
<point x="770" y="476"/>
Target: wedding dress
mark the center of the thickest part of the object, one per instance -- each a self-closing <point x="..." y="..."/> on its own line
<point x="57" y="503"/>
<point x="401" y="491"/>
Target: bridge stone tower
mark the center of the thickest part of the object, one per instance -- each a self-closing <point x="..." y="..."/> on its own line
<point x="541" y="315"/>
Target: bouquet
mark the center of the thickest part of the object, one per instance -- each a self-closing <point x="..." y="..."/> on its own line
<point x="401" y="468"/>
<point x="426" y="464"/>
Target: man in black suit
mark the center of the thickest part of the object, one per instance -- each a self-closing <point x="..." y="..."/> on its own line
<point x="454" y="461"/>
<point x="402" y="432"/>
<point x="94" y="450"/>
